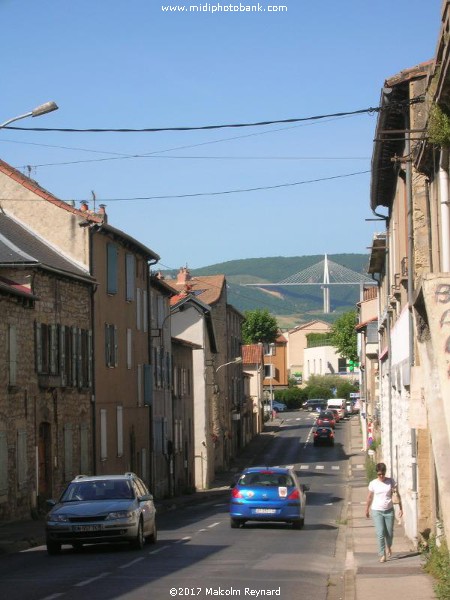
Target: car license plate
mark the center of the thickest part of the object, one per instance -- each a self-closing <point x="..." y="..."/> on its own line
<point x="81" y="528"/>
<point x="265" y="511"/>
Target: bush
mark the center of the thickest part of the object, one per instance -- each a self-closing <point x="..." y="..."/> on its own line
<point x="344" y="389"/>
<point x="437" y="564"/>
<point x="292" y="397"/>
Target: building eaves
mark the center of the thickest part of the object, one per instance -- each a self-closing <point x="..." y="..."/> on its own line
<point x="392" y="116"/>
<point x="127" y="240"/>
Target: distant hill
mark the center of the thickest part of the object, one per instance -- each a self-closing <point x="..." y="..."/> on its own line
<point x="290" y="304"/>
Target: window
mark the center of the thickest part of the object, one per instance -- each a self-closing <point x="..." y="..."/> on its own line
<point x="111" y="349"/>
<point x="139" y="385"/>
<point x="119" y="413"/>
<point x="372" y="333"/>
<point x="138" y="309"/>
<point x="342" y="365"/>
<point x="269" y="349"/>
<point x="68" y="453"/>
<point x="129" y="349"/>
<point x="269" y="371"/>
<point x="112" y="272"/>
<point x="12" y="354"/>
<point x="130" y="274"/>
<point x="22" y="459"/>
<point x="47" y="348"/>
<point x="103" y="437"/>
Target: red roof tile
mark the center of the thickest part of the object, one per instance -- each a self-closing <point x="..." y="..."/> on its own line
<point x="252" y="354"/>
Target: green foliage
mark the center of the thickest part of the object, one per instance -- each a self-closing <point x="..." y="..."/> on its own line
<point x="345" y="388"/>
<point x="437" y="564"/>
<point x="344" y="337"/>
<point x="438" y="126"/>
<point x="259" y="326"/>
<point x="315" y="340"/>
<point x="292" y="397"/>
<point x="371" y="471"/>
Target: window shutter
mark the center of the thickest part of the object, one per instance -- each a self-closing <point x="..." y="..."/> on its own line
<point x="22" y="459"/>
<point x="62" y="354"/>
<point x="38" y="348"/>
<point x="89" y="358"/>
<point x="116" y="347"/>
<point x="138" y="309"/>
<point x="130" y="272"/>
<point x="53" y="349"/>
<point x="103" y="435"/>
<point x="119" y="413"/>
<point x="12" y="355"/>
<point x="145" y="310"/>
<point x="129" y="348"/>
<point x="74" y="356"/>
<point x="3" y="462"/>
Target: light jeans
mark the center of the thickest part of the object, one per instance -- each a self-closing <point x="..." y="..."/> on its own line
<point x="384" y="528"/>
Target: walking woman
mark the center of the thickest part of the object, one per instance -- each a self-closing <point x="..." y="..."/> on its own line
<point x="379" y="499"/>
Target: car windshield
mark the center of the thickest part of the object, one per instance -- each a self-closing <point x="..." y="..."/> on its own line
<point x="98" y="490"/>
<point x="266" y="478"/>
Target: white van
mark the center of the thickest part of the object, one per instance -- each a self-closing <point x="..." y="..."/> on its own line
<point x="337" y="404"/>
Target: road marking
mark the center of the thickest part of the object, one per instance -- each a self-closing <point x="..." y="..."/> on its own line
<point x="58" y="595"/>
<point x="202" y="530"/>
<point x="358" y="466"/>
<point x="214" y="524"/>
<point x="304" y="467"/>
<point x="131" y="563"/>
<point x="335" y="467"/>
<point x="319" y="467"/>
<point x="159" y="550"/>
<point x="88" y="581"/>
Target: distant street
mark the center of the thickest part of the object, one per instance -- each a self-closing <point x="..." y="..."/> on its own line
<point x="198" y="554"/>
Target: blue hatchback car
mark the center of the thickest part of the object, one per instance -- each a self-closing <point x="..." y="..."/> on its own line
<point x="268" y="494"/>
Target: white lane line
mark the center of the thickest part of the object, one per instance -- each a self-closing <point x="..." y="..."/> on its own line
<point x="202" y="530"/>
<point x="320" y="467"/>
<point x="289" y="466"/>
<point x="159" y="550"/>
<point x="214" y="524"/>
<point x="182" y="540"/>
<point x="57" y="595"/>
<point x="136" y="560"/>
<point x="304" y="467"/>
<point x="335" y="468"/>
<point x="358" y="466"/>
<point x="88" y="581"/>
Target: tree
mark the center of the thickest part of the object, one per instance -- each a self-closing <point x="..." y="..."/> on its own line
<point x="343" y="336"/>
<point x="259" y="326"/>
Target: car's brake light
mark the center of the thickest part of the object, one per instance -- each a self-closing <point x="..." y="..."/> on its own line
<point x="294" y="495"/>
<point x="235" y="493"/>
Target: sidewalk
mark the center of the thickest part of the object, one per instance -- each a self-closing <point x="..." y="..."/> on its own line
<point x="365" y="577"/>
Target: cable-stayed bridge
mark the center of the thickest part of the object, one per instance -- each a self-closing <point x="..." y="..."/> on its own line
<point x="324" y="273"/>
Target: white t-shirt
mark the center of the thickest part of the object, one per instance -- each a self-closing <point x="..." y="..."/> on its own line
<point x="382" y="493"/>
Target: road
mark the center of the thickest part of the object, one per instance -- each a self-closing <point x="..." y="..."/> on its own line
<point x="199" y="555"/>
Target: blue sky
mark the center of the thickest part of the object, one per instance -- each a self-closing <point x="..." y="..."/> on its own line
<point x="111" y="64"/>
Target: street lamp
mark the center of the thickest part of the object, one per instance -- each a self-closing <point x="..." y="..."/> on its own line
<point x="42" y="109"/>
<point x="235" y="361"/>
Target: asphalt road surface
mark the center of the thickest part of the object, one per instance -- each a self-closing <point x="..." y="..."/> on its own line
<point x="199" y="556"/>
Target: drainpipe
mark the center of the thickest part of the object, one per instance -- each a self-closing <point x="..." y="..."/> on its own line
<point x="93" y="403"/>
<point x="445" y="211"/>
<point x="151" y="458"/>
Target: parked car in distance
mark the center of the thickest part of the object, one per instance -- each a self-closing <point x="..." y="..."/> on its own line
<point x="323" y="435"/>
<point x="101" y="508"/>
<point x="338" y="404"/>
<point x="268" y="494"/>
<point x="279" y="406"/>
<point x="337" y="416"/>
<point x="326" y="419"/>
<point x="314" y="404"/>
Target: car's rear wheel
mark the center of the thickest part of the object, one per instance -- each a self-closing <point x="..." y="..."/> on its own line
<point x="298" y="524"/>
<point x="236" y="523"/>
<point x="53" y="548"/>
<point x="152" y="539"/>
<point x="139" y="541"/>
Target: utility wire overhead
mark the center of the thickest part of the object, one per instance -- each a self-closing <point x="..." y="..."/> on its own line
<point x="369" y="110"/>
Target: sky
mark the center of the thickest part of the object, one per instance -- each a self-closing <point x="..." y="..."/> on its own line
<point x="150" y="64"/>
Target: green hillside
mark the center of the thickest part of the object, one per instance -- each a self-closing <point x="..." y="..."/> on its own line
<point x="290" y="304"/>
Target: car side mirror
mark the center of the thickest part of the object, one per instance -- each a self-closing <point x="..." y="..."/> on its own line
<point x="305" y="487"/>
<point x="146" y="498"/>
<point x="50" y="503"/>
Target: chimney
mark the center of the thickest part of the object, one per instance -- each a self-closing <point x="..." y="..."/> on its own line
<point x="183" y="276"/>
<point x="84" y="206"/>
<point x="102" y="212"/>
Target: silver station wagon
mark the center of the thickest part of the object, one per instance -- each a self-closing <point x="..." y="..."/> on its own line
<point x="99" y="509"/>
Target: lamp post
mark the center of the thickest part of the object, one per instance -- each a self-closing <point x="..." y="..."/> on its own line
<point x="235" y="361"/>
<point x="42" y="109"/>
